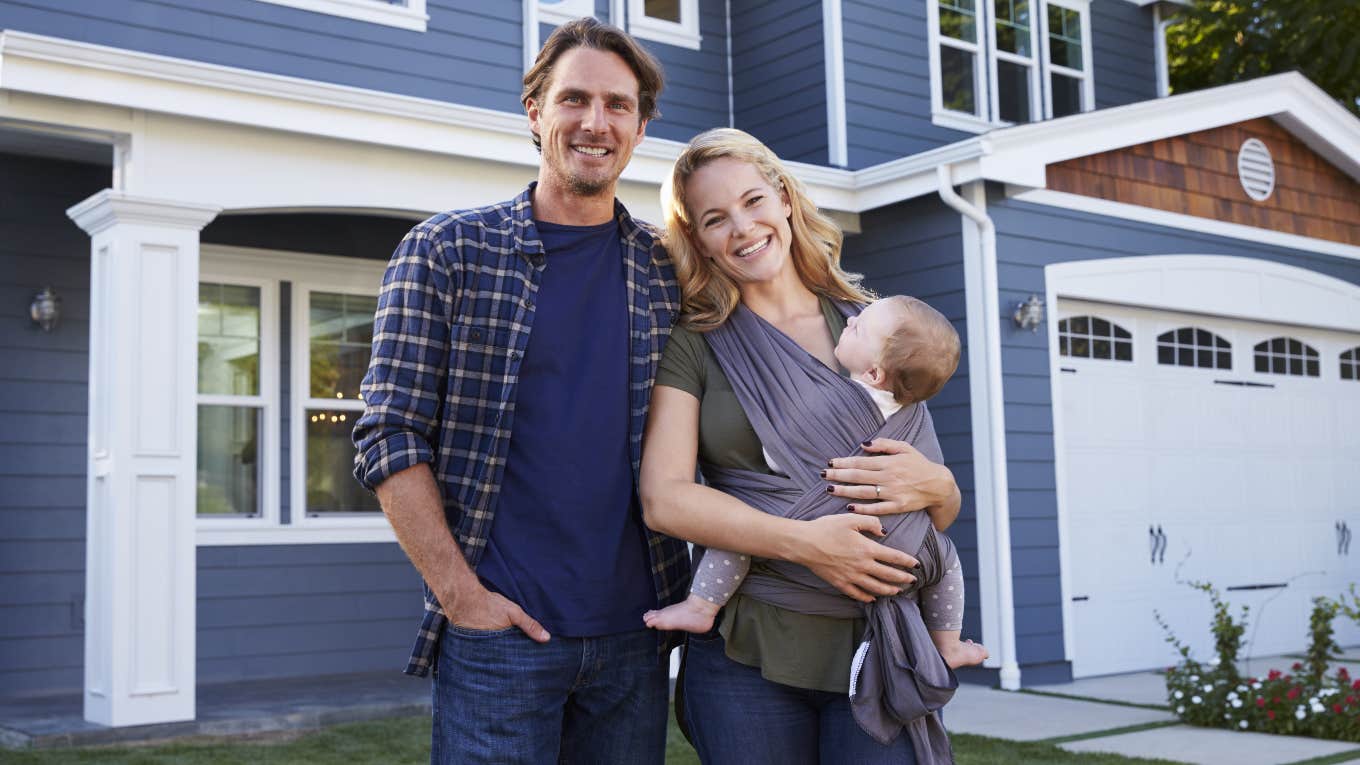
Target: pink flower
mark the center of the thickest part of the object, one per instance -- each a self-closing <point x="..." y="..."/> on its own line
<point x="1260" y="701"/>
<point x="1336" y="708"/>
<point x="1343" y="674"/>
<point x="1293" y="693"/>
<point x="1350" y="699"/>
<point x="1298" y="665"/>
<point x="1274" y="675"/>
<point x="1355" y="686"/>
<point x="1270" y="714"/>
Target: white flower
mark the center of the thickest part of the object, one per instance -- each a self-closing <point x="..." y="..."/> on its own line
<point x="1180" y="694"/>
<point x="1180" y="710"/>
<point x="1194" y="678"/>
<point x="1236" y="703"/>
<point x="1313" y="701"/>
<point x="1300" y="714"/>
<point x="1208" y="688"/>
<point x="1319" y="709"/>
<point x="1195" y="699"/>
<point x="1242" y="725"/>
<point x="1232" y="695"/>
<point x="1256" y="686"/>
<point x="1242" y="688"/>
<point x="1214" y="662"/>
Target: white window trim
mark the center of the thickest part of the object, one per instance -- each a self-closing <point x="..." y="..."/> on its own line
<point x="1032" y="62"/>
<point x="410" y="14"/>
<point x="973" y="123"/>
<point x="985" y="73"/>
<point x="269" y="268"/>
<point x="557" y="14"/>
<point x="1087" y="76"/>
<point x="267" y="401"/>
<point x="684" y="34"/>
<point x="354" y="283"/>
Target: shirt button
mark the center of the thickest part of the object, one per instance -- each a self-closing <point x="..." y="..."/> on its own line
<point x="514" y="355"/>
<point x="526" y="302"/>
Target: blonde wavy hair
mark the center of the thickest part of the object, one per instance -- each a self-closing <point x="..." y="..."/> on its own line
<point x="709" y="296"/>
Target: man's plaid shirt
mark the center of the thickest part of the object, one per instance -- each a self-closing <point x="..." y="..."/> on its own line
<point x="453" y="321"/>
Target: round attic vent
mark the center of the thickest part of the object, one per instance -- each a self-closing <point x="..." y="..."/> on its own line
<point x="1255" y="169"/>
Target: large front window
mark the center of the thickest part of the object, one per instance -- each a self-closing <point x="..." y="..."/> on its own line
<point x="283" y="344"/>
<point x="339" y="337"/>
<point x="231" y="405"/>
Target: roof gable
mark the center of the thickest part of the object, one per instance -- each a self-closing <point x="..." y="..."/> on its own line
<point x="1197" y="174"/>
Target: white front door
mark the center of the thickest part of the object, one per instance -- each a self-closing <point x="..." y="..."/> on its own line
<point x="1201" y="448"/>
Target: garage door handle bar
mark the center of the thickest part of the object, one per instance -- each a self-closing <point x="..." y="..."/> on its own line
<point x="1277" y="586"/>
<point x="1244" y="384"/>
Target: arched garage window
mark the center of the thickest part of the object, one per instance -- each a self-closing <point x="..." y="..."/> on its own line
<point x="1286" y="356"/>
<point x="1193" y="347"/>
<point x="1090" y="337"/>
<point x="1350" y="364"/>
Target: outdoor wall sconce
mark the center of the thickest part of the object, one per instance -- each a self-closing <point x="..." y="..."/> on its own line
<point x="1030" y="314"/>
<point x="45" y="309"/>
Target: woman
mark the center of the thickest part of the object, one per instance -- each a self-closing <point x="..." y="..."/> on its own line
<point x="770" y="684"/>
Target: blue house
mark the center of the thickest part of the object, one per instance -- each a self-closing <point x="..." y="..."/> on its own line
<point x="1159" y="298"/>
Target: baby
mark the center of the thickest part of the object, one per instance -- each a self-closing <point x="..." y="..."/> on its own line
<point x="902" y="351"/>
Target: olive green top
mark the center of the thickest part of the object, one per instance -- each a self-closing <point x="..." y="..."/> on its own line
<point x="800" y="650"/>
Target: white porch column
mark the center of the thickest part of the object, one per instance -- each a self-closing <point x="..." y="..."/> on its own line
<point x="140" y="559"/>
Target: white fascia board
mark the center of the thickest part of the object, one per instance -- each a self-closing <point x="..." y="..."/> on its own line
<point x="1021" y="153"/>
<point x="85" y="73"/>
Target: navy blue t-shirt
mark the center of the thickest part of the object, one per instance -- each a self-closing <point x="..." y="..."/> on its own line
<point x="567" y="542"/>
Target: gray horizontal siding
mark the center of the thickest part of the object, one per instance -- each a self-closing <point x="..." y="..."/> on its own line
<point x="1123" y="52"/>
<point x="887" y="82"/>
<point x="279" y="611"/>
<point x="42" y="447"/>
<point x="1030" y="237"/>
<point x="916" y="248"/>
<point x="779" y="76"/>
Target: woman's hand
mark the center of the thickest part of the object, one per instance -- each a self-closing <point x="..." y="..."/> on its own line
<point x="896" y="479"/>
<point x="836" y="549"/>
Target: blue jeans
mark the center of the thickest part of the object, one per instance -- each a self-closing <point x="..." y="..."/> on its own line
<point x="499" y="697"/>
<point x="737" y="717"/>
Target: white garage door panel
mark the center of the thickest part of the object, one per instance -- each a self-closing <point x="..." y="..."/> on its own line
<point x="1246" y="476"/>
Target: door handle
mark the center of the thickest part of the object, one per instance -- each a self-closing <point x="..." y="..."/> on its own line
<point x="1152" y="546"/>
<point x="1345" y="538"/>
<point x="1161" y="550"/>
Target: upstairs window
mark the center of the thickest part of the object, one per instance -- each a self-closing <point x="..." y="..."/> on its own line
<point x="404" y="14"/>
<point x="557" y="12"/>
<point x="1091" y="337"/>
<point x="1287" y="356"/>
<point x="1069" y="77"/>
<point x="1015" y="69"/>
<point x="674" y="22"/>
<point x="1193" y="347"/>
<point x="1002" y="62"/>
<point x="1350" y="364"/>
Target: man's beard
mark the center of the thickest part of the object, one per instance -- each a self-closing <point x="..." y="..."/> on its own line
<point x="586" y="187"/>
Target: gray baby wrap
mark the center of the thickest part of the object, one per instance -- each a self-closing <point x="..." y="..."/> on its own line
<point x="805" y="413"/>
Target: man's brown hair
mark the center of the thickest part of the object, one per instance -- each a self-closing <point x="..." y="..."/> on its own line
<point x="596" y="35"/>
<point x="920" y="355"/>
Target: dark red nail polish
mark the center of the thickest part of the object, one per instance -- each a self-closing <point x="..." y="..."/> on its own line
<point x="849" y="508"/>
<point x="830" y="464"/>
<point x="866" y="444"/>
<point x="830" y="489"/>
<point x="823" y="474"/>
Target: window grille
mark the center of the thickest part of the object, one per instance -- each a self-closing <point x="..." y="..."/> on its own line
<point x="1193" y="347"/>
<point x="1091" y="337"/>
<point x="1286" y="356"/>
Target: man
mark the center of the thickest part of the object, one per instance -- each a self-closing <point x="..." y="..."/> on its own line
<point x="515" y="348"/>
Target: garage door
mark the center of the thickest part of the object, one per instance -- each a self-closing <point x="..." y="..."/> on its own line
<point x="1198" y="448"/>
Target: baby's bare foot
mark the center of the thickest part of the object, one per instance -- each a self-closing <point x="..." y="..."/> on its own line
<point x="689" y="616"/>
<point x="963" y="653"/>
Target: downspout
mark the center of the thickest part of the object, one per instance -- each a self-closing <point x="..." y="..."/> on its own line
<point x="999" y="498"/>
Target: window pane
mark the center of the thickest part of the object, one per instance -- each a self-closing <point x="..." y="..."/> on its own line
<point x="1064" y="37"/>
<point x="1066" y="94"/>
<point x="228" y="339"/>
<point x="1012" y="82"/>
<point x="1062" y="348"/>
<point x="1012" y="26"/>
<point x="667" y="10"/>
<point x="1224" y="360"/>
<point x="341" y="330"/>
<point x="956" y="80"/>
<point x="958" y="19"/>
<point x="1100" y="349"/>
<point x="1166" y="355"/>
<point x="1123" y="351"/>
<point x="228" y="460"/>
<point x="331" y="487"/>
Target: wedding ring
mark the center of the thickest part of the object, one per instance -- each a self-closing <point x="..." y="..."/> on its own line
<point x="878" y="492"/>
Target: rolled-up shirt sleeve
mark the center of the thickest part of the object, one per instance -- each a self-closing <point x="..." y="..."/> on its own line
<point x="403" y="389"/>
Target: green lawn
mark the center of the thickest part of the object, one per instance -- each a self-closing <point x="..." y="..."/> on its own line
<point x="406" y="740"/>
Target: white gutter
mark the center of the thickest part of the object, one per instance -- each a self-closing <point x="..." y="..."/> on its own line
<point x="989" y="432"/>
